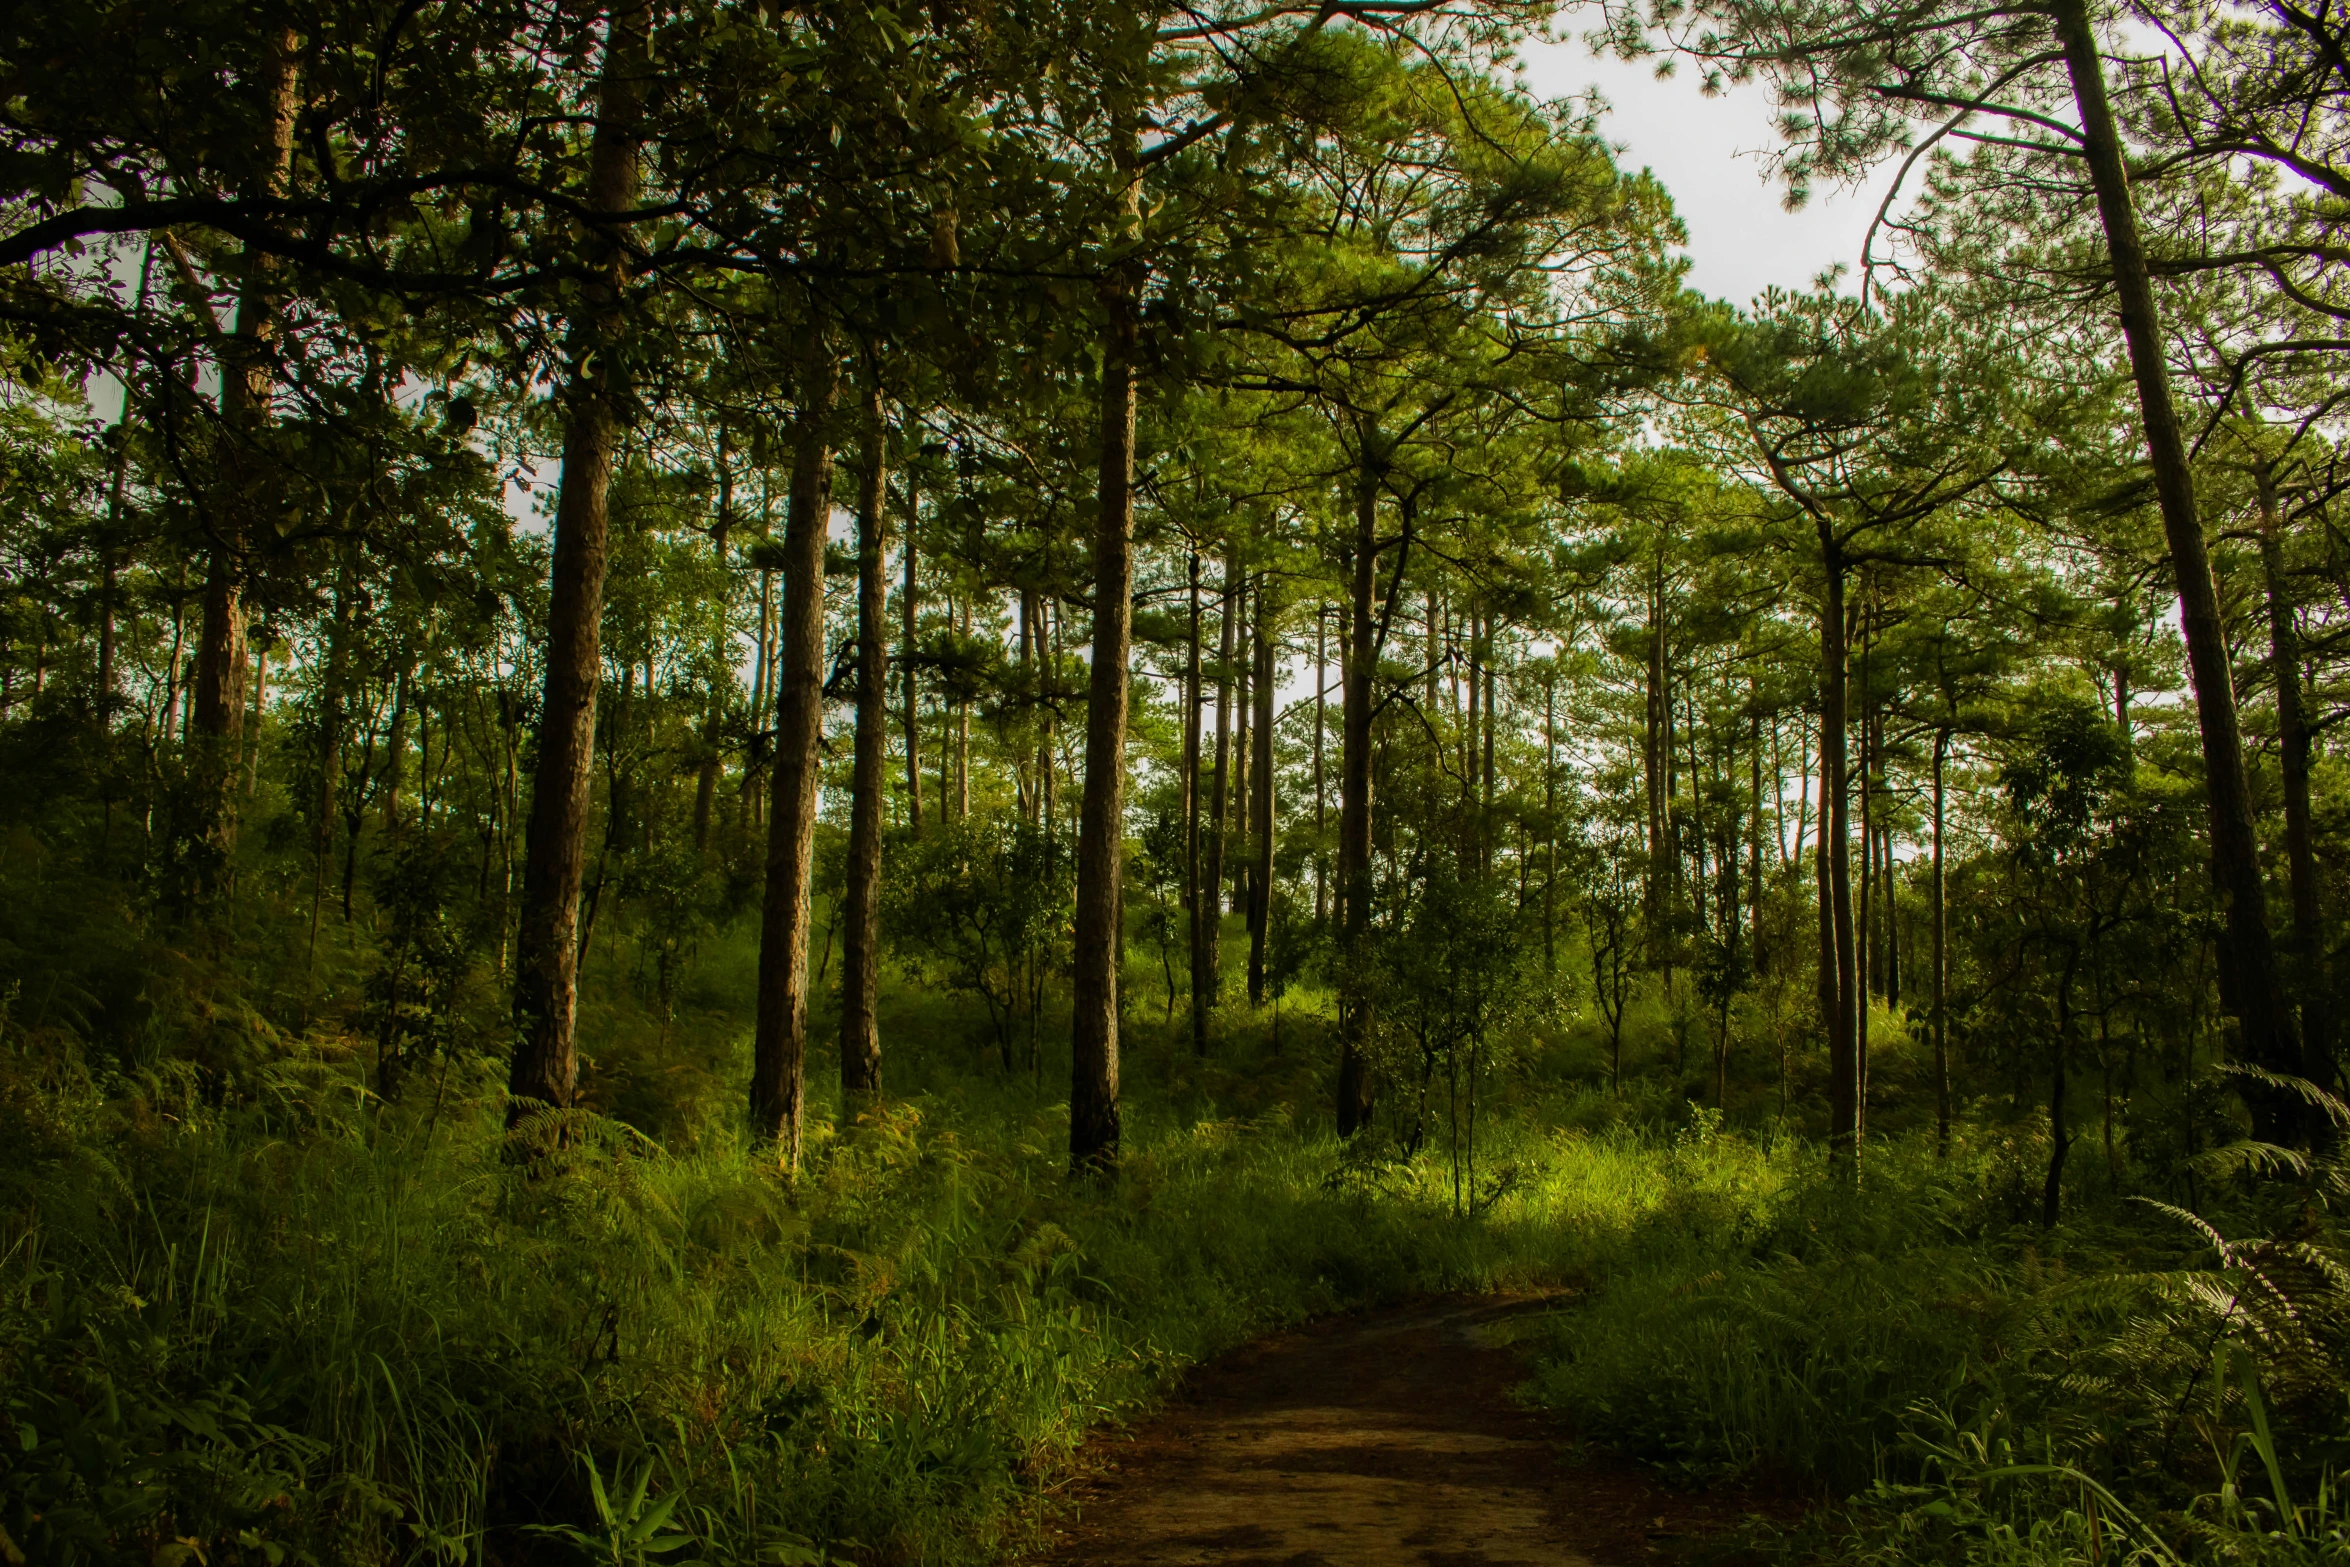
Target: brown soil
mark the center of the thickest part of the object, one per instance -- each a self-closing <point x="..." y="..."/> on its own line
<point x="1386" y="1440"/>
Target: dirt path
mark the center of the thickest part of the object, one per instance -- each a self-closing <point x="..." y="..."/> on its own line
<point x="1388" y="1440"/>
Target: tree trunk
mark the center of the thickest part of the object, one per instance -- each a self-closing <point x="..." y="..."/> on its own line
<point x="2293" y="748"/>
<point x="1220" y="785"/>
<point x="260" y="706"/>
<point x="1243" y="753"/>
<point x="1550" y="826"/>
<point x="546" y="990"/>
<point x="908" y="602"/>
<point x="1321" y="690"/>
<point x="1754" y="872"/>
<point x="2249" y="976"/>
<point x="1941" y="958"/>
<point x="1492" y="684"/>
<point x="1838" y="968"/>
<point x="1195" y="896"/>
<point x="860" y="951"/>
<point x="1355" y="1085"/>
<point x="780" y="1045"/>
<point x="1093" y="1034"/>
<point x="219" y="696"/>
<point x="1261" y="803"/>
<point x="706" y="772"/>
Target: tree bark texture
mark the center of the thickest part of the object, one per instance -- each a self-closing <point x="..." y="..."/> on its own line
<point x="860" y="950"/>
<point x="1093" y="1042"/>
<point x="1355" y="1085"/>
<point x="1261" y="803"/>
<point x="1195" y="900"/>
<point x="1839" y="976"/>
<point x="2293" y="755"/>
<point x="908" y="601"/>
<point x="780" y="1044"/>
<point x="545" y="1068"/>
<point x="2249" y="978"/>
<point x="241" y="491"/>
<point x="1220" y="783"/>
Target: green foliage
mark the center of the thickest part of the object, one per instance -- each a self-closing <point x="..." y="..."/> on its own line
<point x="985" y="899"/>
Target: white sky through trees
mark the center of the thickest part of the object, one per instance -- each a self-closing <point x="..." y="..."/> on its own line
<point x="1711" y="154"/>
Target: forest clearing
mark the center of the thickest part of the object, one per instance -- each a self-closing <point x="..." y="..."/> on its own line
<point x="989" y="781"/>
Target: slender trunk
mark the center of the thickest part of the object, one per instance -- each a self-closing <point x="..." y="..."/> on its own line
<point x="2293" y="754"/>
<point x="2060" y="1140"/>
<point x="1355" y="1086"/>
<point x="1093" y="1041"/>
<point x="762" y="695"/>
<point x="908" y="606"/>
<point x="1754" y="874"/>
<point x="1485" y="743"/>
<point x="1321" y="690"/>
<point x="1550" y="827"/>
<point x="1220" y="784"/>
<point x="2249" y="976"/>
<point x="1864" y="903"/>
<point x="1196" y="897"/>
<point x="780" y="1044"/>
<point x="860" y="950"/>
<point x="1941" y="958"/>
<point x="219" y="696"/>
<point x="260" y="705"/>
<point x="546" y="992"/>
<point x="706" y="771"/>
<point x="1260" y="881"/>
<point x="1838" y="968"/>
<point x="1243" y="753"/>
<point x="333" y="683"/>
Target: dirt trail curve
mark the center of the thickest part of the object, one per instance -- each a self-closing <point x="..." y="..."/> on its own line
<point x="1388" y="1440"/>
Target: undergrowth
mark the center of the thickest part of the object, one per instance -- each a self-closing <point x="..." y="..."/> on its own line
<point x="251" y="1312"/>
<point x="309" y="1326"/>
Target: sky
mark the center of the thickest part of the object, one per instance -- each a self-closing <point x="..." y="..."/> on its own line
<point x="1708" y="154"/>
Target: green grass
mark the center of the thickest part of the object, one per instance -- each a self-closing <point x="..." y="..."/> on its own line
<point x="308" y="1326"/>
<point x="249" y="1313"/>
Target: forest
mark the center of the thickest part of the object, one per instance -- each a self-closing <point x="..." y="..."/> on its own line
<point x="758" y="754"/>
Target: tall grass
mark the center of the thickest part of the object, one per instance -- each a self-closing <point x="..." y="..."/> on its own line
<point x="314" y="1327"/>
<point x="249" y="1313"/>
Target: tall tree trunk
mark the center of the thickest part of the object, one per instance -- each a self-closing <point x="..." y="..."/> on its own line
<point x="1754" y="874"/>
<point x="963" y="731"/>
<point x="1941" y="957"/>
<point x="2284" y="649"/>
<point x="1195" y="896"/>
<point x="260" y="706"/>
<point x="706" y="772"/>
<point x="1866" y="955"/>
<point x="1261" y="803"/>
<point x="1093" y="1033"/>
<point x="780" y="1045"/>
<point x="860" y="950"/>
<point x="1550" y="826"/>
<point x="1321" y="690"/>
<point x="546" y="967"/>
<point x="1653" y="749"/>
<point x="1839" y="977"/>
<point x="909" y="600"/>
<point x="221" y="657"/>
<point x="1220" y="785"/>
<point x="1355" y="1086"/>
<point x="2249" y="975"/>
<point x="1243" y="753"/>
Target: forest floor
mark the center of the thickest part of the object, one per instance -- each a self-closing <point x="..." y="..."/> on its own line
<point x="1385" y="1439"/>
